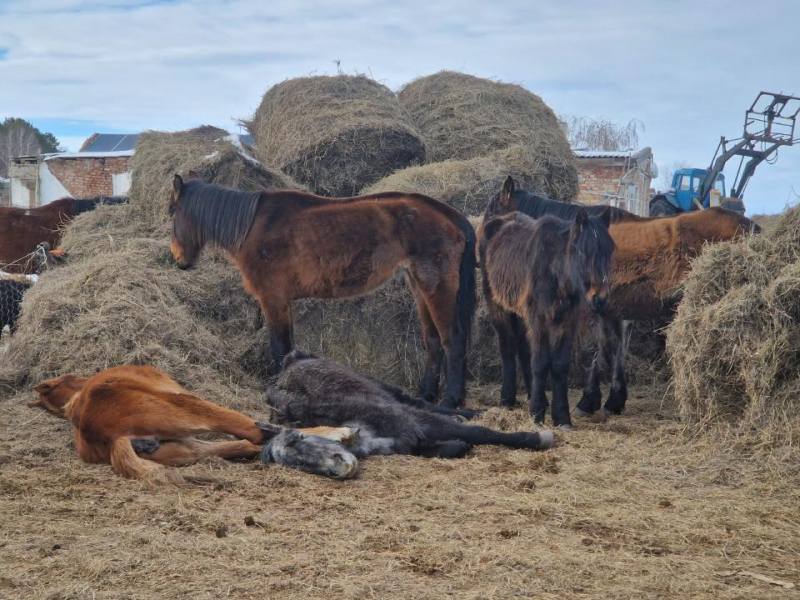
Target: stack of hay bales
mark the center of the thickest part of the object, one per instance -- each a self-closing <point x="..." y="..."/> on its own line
<point x="734" y="343"/>
<point x="121" y="300"/>
<point x="335" y="134"/>
<point x="478" y="132"/>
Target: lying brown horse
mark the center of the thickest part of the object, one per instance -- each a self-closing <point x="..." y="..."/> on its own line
<point x="651" y="259"/>
<point x="138" y="419"/>
<point x="290" y="245"/>
<point x="23" y="229"/>
<point x="544" y="272"/>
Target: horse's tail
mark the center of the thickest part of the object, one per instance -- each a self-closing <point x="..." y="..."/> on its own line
<point x="465" y="298"/>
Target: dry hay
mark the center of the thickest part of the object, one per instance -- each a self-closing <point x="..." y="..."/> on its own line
<point x="211" y="153"/>
<point x="469" y="185"/>
<point x="734" y="343"/>
<point x="131" y="305"/>
<point x="624" y="509"/>
<point x="335" y="134"/>
<point x="463" y="117"/>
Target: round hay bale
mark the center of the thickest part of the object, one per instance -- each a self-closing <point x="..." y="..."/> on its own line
<point x="469" y="185"/>
<point x="462" y="117"/>
<point x="212" y="153"/>
<point x="335" y="134"/>
<point x="733" y="344"/>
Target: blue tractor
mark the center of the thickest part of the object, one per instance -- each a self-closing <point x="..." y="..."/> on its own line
<point x="769" y="124"/>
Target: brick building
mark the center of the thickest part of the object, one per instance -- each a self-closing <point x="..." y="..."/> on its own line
<point x="101" y="168"/>
<point x="620" y="179"/>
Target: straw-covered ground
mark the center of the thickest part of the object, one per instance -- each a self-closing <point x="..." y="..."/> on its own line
<point x="631" y="508"/>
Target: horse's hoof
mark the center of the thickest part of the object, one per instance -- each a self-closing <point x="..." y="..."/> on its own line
<point x="580" y="413"/>
<point x="605" y="412"/>
<point x="145" y="445"/>
<point x="601" y="416"/>
<point x="566" y="427"/>
<point x="546" y="439"/>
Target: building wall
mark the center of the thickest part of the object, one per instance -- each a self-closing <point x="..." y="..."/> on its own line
<point x="613" y="181"/>
<point x="24" y="177"/>
<point x="50" y="188"/>
<point x="88" y="177"/>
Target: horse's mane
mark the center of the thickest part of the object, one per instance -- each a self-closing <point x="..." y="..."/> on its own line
<point x="219" y="214"/>
<point x="81" y="206"/>
<point x="537" y="206"/>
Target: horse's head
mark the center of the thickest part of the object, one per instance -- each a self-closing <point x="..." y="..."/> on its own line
<point x="184" y="244"/>
<point x="310" y="453"/>
<point x="721" y="224"/>
<point x="54" y="394"/>
<point x="590" y="249"/>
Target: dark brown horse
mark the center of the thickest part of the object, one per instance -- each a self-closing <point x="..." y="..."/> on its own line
<point x="23" y="229"/>
<point x="651" y="259"/>
<point x="290" y="245"/>
<point x="543" y="272"/>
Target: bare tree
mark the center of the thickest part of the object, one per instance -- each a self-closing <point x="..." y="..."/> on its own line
<point x="585" y="133"/>
<point x="16" y="140"/>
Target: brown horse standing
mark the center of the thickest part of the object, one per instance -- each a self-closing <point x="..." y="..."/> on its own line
<point x="651" y="259"/>
<point x="23" y="229"/>
<point x="543" y="271"/>
<point x="290" y="245"/>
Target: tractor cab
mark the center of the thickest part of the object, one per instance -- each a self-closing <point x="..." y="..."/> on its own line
<point x="687" y="184"/>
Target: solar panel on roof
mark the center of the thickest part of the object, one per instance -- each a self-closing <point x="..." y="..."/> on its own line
<point x="113" y="142"/>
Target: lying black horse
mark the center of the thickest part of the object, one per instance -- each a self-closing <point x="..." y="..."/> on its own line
<point x="316" y="392"/>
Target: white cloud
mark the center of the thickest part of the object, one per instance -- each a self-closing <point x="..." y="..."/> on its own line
<point x="688" y="70"/>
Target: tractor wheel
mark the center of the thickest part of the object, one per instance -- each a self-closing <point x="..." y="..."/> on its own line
<point x="661" y="207"/>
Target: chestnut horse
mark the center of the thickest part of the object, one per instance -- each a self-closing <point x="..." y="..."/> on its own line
<point x="544" y="272"/>
<point x="290" y="245"/>
<point x="138" y="419"/>
<point x="23" y="229"/>
<point x="652" y="257"/>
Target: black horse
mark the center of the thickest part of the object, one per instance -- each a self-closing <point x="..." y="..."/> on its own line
<point x="316" y="392"/>
<point x="541" y="272"/>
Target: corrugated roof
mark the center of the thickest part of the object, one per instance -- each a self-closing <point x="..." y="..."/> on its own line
<point x="602" y="154"/>
<point x="86" y="154"/>
<point x="112" y="142"/>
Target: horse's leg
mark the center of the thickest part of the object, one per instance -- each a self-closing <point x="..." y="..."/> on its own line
<point x="540" y="367"/>
<point x="441" y="304"/>
<point x="187" y="451"/>
<point x="185" y="415"/>
<point x="592" y="397"/>
<point x="444" y="449"/>
<point x="429" y="388"/>
<point x="403" y="398"/>
<point x="476" y="435"/>
<point x="619" y="384"/>
<point x="523" y="351"/>
<point x="561" y="355"/>
<point x="280" y="322"/>
<point x="503" y="323"/>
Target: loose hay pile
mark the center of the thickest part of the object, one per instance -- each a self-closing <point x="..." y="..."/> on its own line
<point x="121" y="300"/>
<point x="463" y="117"/>
<point x="335" y="134"/>
<point x="734" y="343"/>
<point x="211" y="153"/>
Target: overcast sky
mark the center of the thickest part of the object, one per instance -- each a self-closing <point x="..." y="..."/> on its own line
<point x="686" y="69"/>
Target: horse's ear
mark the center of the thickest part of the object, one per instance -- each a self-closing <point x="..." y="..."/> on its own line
<point x="507" y="193"/>
<point x="43" y="388"/>
<point x="177" y="186"/>
<point x="605" y="216"/>
<point x="581" y="218"/>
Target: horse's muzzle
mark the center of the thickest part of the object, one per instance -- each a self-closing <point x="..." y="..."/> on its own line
<point x="598" y="304"/>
